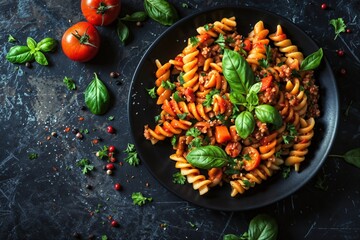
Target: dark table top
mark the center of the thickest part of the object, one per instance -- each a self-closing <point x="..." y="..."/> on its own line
<point x="48" y="198"/>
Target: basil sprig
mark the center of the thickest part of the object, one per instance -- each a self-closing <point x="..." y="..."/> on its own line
<point x="312" y="61"/>
<point x="32" y="51"/>
<point x="97" y="97"/>
<point x="244" y="92"/>
<point x="207" y="157"/>
<point x="161" y="11"/>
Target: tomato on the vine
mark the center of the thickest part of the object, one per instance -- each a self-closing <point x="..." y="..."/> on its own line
<point x="100" y="12"/>
<point x="81" y="42"/>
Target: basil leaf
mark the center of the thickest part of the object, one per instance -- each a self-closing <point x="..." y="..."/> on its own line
<point x="207" y="157"/>
<point x="122" y="32"/>
<point x="47" y="45"/>
<point x="237" y="72"/>
<point x="312" y="61"/>
<point x="237" y="99"/>
<point x="353" y="157"/>
<point x="19" y="54"/>
<point x="339" y="26"/>
<point x="245" y="124"/>
<point x="40" y="58"/>
<point x="252" y="100"/>
<point x="135" y="17"/>
<point x="97" y="97"/>
<point x="232" y="237"/>
<point x="161" y="11"/>
<point x="255" y="87"/>
<point x="31" y="43"/>
<point x="263" y="227"/>
<point x="268" y="114"/>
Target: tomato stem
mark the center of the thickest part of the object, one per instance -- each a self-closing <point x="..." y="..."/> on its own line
<point x="83" y="39"/>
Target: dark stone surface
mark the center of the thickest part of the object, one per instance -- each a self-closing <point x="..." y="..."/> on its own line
<point x="47" y="198"/>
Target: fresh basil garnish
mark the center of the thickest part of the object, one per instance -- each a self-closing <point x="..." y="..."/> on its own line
<point x="207" y="157"/>
<point x="237" y="72"/>
<point x="97" y="97"/>
<point x="135" y="17"/>
<point x="312" y="61"/>
<point x="31" y="43"/>
<point x="19" y="54"/>
<point x="40" y="58"/>
<point x="245" y="124"/>
<point x="123" y="31"/>
<point x="263" y="227"/>
<point x="47" y="45"/>
<point x="268" y="114"/>
<point x="161" y="11"/>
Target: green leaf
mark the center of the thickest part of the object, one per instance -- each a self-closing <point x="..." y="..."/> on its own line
<point x="209" y="97"/>
<point x="237" y="99"/>
<point x="339" y="26"/>
<point x="135" y="17"/>
<point x="19" y="54"/>
<point x="207" y="157"/>
<point x="161" y="11"/>
<point x="178" y="178"/>
<point x="312" y="61"/>
<point x="263" y="227"/>
<point x="177" y="97"/>
<point x="33" y="156"/>
<point x="40" y="58"/>
<point x="122" y="31"/>
<point x="194" y="132"/>
<point x="237" y="72"/>
<point x="97" y="98"/>
<point x="47" y="45"/>
<point x="245" y="124"/>
<point x="353" y="157"/>
<point x="69" y="83"/>
<point x="11" y="39"/>
<point x="132" y="156"/>
<point x="31" y="43"/>
<point x="268" y="114"/>
<point x="139" y="199"/>
<point x="85" y="165"/>
<point x="151" y="92"/>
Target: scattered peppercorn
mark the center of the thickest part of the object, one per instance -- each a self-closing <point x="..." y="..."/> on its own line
<point x="110" y="129"/>
<point x="324" y="6"/>
<point x="114" y="74"/>
<point x="117" y="186"/>
<point x="114" y="223"/>
<point x="48" y="138"/>
<point x="111" y="148"/>
<point x="110" y="166"/>
<point x="340" y="53"/>
<point x="95" y="141"/>
<point x="88" y="186"/>
<point x="139" y="24"/>
<point x="343" y="71"/>
<point x="79" y="136"/>
<point x="54" y="134"/>
<point x="67" y="129"/>
<point x="348" y="30"/>
<point x="112" y="159"/>
<point x="109" y="172"/>
<point x="81" y="118"/>
<point x="28" y="65"/>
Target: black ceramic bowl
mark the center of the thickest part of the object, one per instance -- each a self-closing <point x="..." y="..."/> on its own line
<point x="142" y="110"/>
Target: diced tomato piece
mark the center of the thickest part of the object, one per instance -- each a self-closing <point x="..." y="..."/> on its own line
<point x="247" y="45"/>
<point x="222" y="134"/>
<point x="178" y="59"/>
<point x="190" y="96"/>
<point x="252" y="158"/>
<point x="266" y="82"/>
<point x="203" y="37"/>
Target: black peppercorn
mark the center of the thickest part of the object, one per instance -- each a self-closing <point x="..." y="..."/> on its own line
<point x="28" y="65"/>
<point x="114" y="74"/>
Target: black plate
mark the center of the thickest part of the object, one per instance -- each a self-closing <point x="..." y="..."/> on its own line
<point x="142" y="110"/>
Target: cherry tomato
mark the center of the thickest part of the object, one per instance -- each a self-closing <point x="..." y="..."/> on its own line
<point x="81" y="42"/>
<point x="247" y="45"/>
<point x="251" y="158"/>
<point x="222" y="134"/>
<point x="266" y="83"/>
<point x="100" y="12"/>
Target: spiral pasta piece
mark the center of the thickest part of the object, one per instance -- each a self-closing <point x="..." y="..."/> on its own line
<point x="218" y="27"/>
<point x="192" y="174"/>
<point x="286" y="46"/>
<point x="190" y="66"/>
<point x="300" y="148"/>
<point x="259" y="43"/>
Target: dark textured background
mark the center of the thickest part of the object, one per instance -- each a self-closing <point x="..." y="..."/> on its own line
<point x="46" y="198"/>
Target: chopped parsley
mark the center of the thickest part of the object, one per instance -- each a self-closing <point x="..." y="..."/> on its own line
<point x="168" y="85"/>
<point x="139" y="199"/>
<point x="194" y="132"/>
<point x="221" y="41"/>
<point x="69" y="83"/>
<point x="33" y="156"/>
<point x="182" y="115"/>
<point x="265" y="62"/>
<point x="151" y="92"/>
<point x="85" y="165"/>
<point x="178" y="178"/>
<point x="209" y="97"/>
<point x="110" y="118"/>
<point x="194" y="41"/>
<point x="132" y="156"/>
<point x="11" y="39"/>
<point x="207" y="27"/>
<point x="292" y="133"/>
<point x="102" y="152"/>
<point x="285" y="171"/>
<point x="339" y="26"/>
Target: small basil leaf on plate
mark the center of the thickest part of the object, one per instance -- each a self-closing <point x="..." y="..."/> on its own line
<point x="207" y="157"/>
<point x="268" y="114"/>
<point x="312" y="61"/>
<point x="245" y="124"/>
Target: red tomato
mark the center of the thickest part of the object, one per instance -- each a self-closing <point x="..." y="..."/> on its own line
<point x="253" y="158"/>
<point x="81" y="42"/>
<point x="266" y="82"/>
<point x="100" y="12"/>
<point x="222" y="134"/>
<point x="247" y="45"/>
